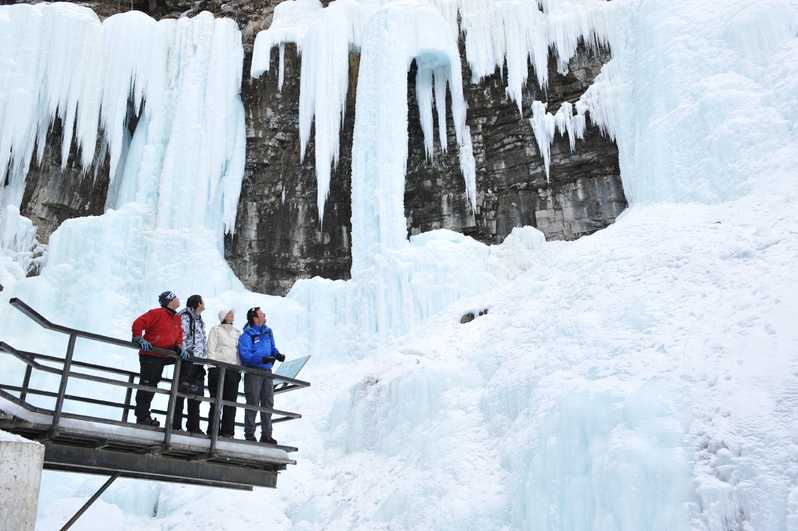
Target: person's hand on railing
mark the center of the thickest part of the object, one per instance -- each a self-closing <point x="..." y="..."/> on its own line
<point x="145" y="345"/>
<point x="185" y="353"/>
<point x="280" y="357"/>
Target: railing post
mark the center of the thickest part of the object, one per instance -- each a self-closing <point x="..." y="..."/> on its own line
<point x="25" y="383"/>
<point x="59" y="402"/>
<point x="170" y="410"/>
<point x="128" y="397"/>
<point x="217" y="410"/>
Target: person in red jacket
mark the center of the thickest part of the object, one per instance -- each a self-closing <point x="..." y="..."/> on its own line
<point x="162" y="328"/>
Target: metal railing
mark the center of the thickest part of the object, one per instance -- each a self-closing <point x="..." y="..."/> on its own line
<point x="127" y="379"/>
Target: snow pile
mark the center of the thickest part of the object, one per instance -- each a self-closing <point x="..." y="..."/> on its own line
<point x="403" y="288"/>
<point x="17" y="237"/>
<point x="60" y="62"/>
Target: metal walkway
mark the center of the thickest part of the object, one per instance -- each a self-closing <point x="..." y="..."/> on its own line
<point x="113" y="445"/>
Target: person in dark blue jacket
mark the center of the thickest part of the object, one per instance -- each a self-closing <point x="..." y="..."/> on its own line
<point x="256" y="348"/>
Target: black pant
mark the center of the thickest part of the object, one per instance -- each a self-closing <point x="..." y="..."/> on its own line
<point x="192" y="382"/>
<point x="227" y="427"/>
<point x="151" y="374"/>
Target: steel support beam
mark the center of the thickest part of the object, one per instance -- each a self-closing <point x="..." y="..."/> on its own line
<point x="154" y="467"/>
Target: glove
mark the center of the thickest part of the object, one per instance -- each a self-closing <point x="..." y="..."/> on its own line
<point x="267" y="359"/>
<point x="145" y="345"/>
<point x="185" y="353"/>
<point x="280" y="357"/>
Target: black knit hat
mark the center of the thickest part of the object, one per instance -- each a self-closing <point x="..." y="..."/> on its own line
<point x="166" y="297"/>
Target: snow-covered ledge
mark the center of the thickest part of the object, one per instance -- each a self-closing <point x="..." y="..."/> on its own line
<point x="20" y="474"/>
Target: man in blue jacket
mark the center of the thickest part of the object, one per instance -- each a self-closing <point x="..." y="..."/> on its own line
<point x="256" y="348"/>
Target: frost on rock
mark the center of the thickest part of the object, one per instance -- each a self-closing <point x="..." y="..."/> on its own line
<point x="324" y="38"/>
<point x="566" y="121"/>
<point x="182" y="79"/>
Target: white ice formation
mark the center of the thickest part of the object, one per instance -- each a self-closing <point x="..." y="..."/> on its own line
<point x="181" y="78"/>
<point x="569" y="121"/>
<point x="325" y="37"/>
<point x="515" y="33"/>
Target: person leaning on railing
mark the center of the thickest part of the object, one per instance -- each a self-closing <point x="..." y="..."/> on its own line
<point x="160" y="328"/>
<point x="257" y="349"/>
<point x="223" y="346"/>
<point x="192" y="375"/>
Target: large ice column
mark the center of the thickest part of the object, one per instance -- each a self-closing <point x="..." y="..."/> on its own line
<point x="325" y="37"/>
<point x="394" y="37"/>
<point x="60" y="62"/>
<point x="187" y="155"/>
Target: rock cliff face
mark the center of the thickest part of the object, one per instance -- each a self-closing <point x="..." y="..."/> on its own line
<point x="54" y="194"/>
<point x="279" y="237"/>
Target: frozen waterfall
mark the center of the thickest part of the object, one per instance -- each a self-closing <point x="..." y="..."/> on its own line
<point x="641" y="377"/>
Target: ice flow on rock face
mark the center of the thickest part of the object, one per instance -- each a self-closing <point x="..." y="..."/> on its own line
<point x="515" y="33"/>
<point x="325" y="38"/>
<point x="59" y="62"/>
<point x="395" y="36"/>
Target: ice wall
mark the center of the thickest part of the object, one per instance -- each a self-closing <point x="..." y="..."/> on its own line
<point x="183" y="77"/>
<point x="507" y="35"/>
<point x="176" y="181"/>
<point x="325" y="37"/>
<point x="688" y="113"/>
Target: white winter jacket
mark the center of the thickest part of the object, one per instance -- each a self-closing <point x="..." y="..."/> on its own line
<point x="223" y="343"/>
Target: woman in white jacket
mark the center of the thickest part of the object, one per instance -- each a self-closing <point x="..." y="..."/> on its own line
<point x="223" y="346"/>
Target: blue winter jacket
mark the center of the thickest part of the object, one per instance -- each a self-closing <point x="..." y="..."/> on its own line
<point x="255" y="343"/>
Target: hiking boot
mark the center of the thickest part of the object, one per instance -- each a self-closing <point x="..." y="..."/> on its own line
<point x="268" y="440"/>
<point x="250" y="438"/>
<point x="148" y="421"/>
<point x="227" y="435"/>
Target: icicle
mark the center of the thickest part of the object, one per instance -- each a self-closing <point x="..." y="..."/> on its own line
<point x="281" y="74"/>
<point x="324" y="37"/>
<point x="441" y="80"/>
<point x="543" y="124"/>
<point x="424" y="101"/>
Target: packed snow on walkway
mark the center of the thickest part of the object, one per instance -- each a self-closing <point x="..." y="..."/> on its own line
<point x="644" y="377"/>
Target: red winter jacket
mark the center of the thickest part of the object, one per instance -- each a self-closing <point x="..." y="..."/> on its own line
<point x="160" y="326"/>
